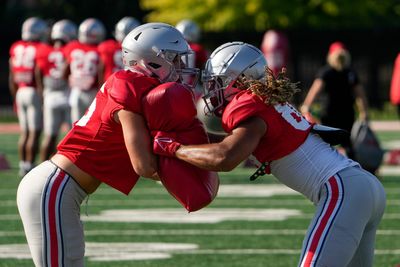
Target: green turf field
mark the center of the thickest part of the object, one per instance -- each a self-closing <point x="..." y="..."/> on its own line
<point x="254" y="224"/>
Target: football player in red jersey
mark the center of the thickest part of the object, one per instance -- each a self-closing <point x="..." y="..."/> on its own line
<point x="52" y="65"/>
<point x="110" y="50"/>
<point x="23" y="87"/>
<point x="109" y="144"/>
<point x="262" y="124"/>
<point x="85" y="68"/>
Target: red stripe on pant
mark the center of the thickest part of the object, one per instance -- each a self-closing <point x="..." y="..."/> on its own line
<point x="52" y="217"/>
<point x="317" y="235"/>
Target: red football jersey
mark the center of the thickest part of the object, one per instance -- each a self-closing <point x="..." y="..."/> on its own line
<point x="84" y="60"/>
<point x="111" y="55"/>
<point x="286" y="127"/>
<point x="96" y="144"/>
<point x="23" y="55"/>
<point x="52" y="61"/>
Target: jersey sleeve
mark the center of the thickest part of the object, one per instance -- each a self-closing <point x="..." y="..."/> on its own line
<point x="128" y="92"/>
<point x="241" y="108"/>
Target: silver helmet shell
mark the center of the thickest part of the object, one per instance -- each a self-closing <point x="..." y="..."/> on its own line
<point x="91" y="31"/>
<point x="159" y="50"/>
<point x="226" y="64"/>
<point x="124" y="26"/>
<point x="34" y="29"/>
<point x="189" y="29"/>
<point x="64" y="30"/>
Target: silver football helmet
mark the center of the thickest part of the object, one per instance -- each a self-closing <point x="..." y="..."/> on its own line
<point x="34" y="29"/>
<point x="159" y="50"/>
<point x="124" y="26"/>
<point x="91" y="31"/>
<point x="64" y="30"/>
<point x="189" y="29"/>
<point x="226" y="65"/>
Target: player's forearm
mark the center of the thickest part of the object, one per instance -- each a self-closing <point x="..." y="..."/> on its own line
<point x="210" y="157"/>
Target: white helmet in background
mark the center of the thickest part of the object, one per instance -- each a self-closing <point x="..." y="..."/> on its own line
<point x="34" y="29"/>
<point x="91" y="31"/>
<point x="226" y="64"/>
<point x="64" y="30"/>
<point x="189" y="29"/>
<point x="125" y="26"/>
<point x="159" y="50"/>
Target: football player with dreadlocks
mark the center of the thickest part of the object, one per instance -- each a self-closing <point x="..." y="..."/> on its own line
<point x="261" y="124"/>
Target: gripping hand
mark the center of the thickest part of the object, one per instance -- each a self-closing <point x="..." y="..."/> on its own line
<point x="165" y="143"/>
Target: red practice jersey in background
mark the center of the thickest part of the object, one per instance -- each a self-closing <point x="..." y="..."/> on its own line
<point x="23" y="56"/>
<point x="52" y="62"/>
<point x="84" y="60"/>
<point x="111" y="55"/>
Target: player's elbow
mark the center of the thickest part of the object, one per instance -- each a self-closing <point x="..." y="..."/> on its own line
<point x="225" y="162"/>
<point x="145" y="170"/>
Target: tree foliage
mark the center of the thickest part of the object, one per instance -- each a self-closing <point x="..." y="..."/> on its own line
<point x="223" y="15"/>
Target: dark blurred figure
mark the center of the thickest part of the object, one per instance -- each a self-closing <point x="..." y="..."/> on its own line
<point x="341" y="89"/>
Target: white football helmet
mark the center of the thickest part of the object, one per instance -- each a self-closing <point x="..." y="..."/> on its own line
<point x="34" y="29"/>
<point x="159" y="50"/>
<point x="64" y="30"/>
<point x="91" y="31"/>
<point x="226" y="64"/>
<point x="189" y="29"/>
<point x="124" y="26"/>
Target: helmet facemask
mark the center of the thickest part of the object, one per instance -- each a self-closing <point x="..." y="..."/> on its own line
<point x="218" y="92"/>
<point x="225" y="72"/>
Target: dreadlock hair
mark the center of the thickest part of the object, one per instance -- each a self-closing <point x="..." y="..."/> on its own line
<point x="273" y="89"/>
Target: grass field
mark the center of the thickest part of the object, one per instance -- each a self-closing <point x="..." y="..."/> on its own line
<point x="256" y="224"/>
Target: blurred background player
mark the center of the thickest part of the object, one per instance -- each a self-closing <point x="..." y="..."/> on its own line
<point x="275" y="47"/>
<point x="191" y="31"/>
<point x="341" y="89"/>
<point x="85" y="68"/>
<point x="23" y="87"/>
<point x="52" y="65"/>
<point x="110" y="50"/>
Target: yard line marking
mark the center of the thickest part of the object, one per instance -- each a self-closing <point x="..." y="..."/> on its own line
<point x="221" y="202"/>
<point x="196" y="232"/>
<point x="111" y="251"/>
<point x="210" y="215"/>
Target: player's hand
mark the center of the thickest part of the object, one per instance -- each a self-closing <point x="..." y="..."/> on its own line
<point x="165" y="143"/>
